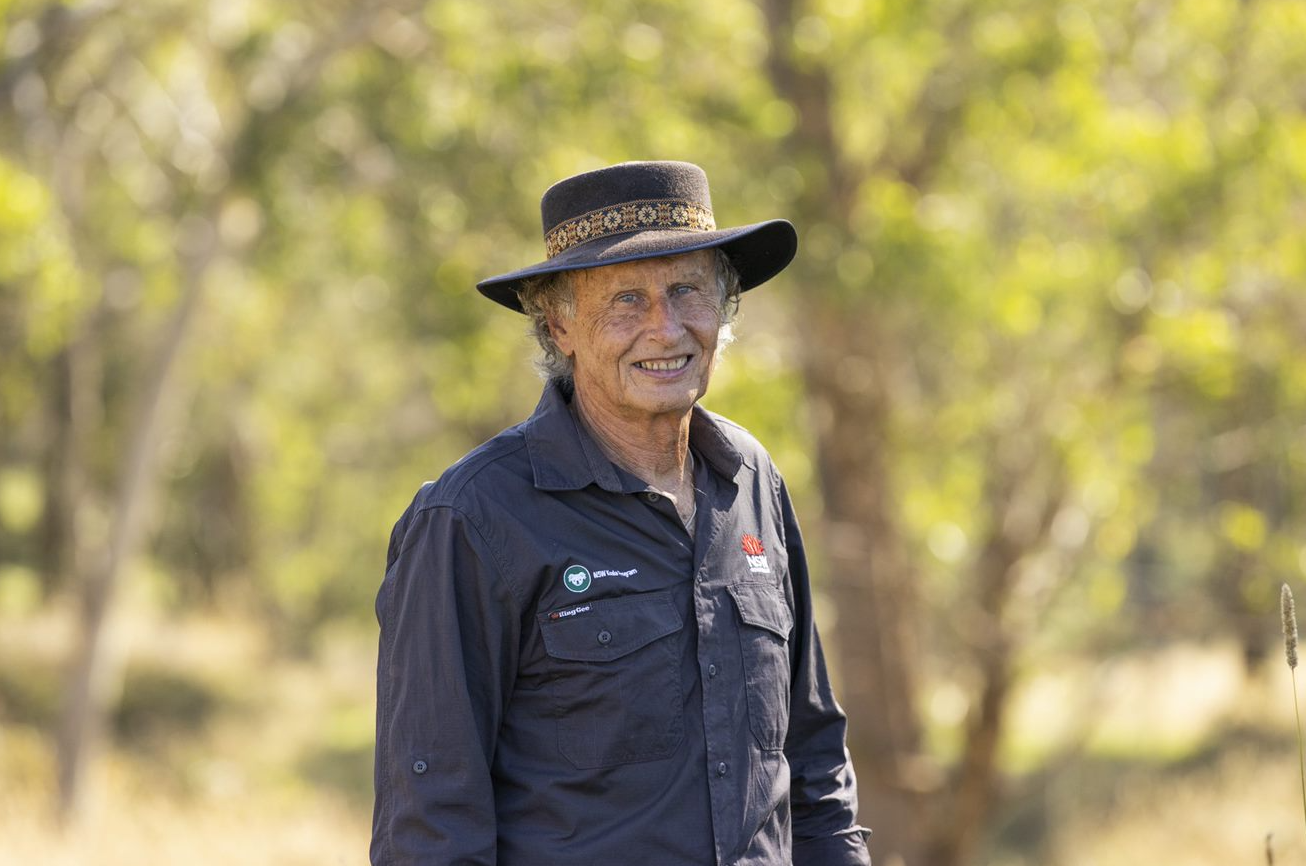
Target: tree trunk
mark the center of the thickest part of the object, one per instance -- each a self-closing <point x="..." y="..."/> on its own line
<point x="93" y="673"/>
<point x="871" y="584"/>
<point x="74" y="409"/>
<point x="869" y="577"/>
<point x="916" y="819"/>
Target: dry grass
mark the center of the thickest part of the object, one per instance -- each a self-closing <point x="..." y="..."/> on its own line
<point x="1182" y="761"/>
<point x="1217" y="815"/>
<point x="129" y="824"/>
<point x="223" y="752"/>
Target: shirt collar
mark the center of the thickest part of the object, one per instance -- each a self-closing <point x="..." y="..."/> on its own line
<point x="564" y="456"/>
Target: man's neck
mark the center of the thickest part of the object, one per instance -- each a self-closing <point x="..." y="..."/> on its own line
<point x="655" y="449"/>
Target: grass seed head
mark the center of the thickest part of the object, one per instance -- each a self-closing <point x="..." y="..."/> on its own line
<point x="1289" y="611"/>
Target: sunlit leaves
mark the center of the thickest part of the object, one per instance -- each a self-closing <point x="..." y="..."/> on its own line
<point x="41" y="290"/>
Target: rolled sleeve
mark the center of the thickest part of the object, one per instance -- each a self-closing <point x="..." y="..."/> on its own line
<point x="446" y="664"/>
<point x="846" y="847"/>
<point x="823" y="792"/>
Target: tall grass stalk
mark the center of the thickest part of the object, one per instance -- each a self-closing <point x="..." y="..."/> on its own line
<point x="1289" y="612"/>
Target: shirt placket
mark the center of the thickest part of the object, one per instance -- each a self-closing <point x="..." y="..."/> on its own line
<point x="713" y="628"/>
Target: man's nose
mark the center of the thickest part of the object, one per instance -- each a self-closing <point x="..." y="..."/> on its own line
<point x="665" y="321"/>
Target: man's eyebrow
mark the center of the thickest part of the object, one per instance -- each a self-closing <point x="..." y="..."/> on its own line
<point x="692" y="276"/>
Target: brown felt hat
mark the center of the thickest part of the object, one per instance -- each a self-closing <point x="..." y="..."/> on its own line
<point x="642" y="210"/>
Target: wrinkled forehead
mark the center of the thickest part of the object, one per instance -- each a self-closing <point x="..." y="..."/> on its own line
<point x="698" y="266"/>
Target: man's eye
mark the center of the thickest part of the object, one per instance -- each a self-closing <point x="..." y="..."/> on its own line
<point x="684" y="289"/>
<point x="627" y="298"/>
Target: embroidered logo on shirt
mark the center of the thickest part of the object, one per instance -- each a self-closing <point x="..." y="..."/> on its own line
<point x="576" y="578"/>
<point x="571" y="611"/>
<point x="755" y="553"/>
<point x="612" y="572"/>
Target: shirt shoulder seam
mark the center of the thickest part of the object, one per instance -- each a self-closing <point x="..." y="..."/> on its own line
<point x="499" y="563"/>
<point x="451" y="485"/>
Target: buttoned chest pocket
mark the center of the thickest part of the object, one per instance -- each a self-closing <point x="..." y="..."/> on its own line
<point x="766" y="623"/>
<point x="615" y="679"/>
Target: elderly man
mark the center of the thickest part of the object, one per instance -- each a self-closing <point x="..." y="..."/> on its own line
<point x="597" y="642"/>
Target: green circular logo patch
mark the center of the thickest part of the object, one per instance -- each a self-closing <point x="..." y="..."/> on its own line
<point x="576" y="578"/>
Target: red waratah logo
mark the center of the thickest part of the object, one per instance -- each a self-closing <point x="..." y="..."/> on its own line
<point x="755" y="553"/>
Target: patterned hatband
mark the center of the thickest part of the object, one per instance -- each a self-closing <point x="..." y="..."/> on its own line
<point x="630" y="216"/>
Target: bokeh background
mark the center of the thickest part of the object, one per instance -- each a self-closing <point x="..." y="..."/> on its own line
<point x="1037" y="378"/>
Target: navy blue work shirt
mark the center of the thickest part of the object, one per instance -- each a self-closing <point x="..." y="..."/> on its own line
<point x="567" y="677"/>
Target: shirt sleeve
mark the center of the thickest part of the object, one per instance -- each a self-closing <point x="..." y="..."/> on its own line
<point x="823" y="793"/>
<point x="445" y="669"/>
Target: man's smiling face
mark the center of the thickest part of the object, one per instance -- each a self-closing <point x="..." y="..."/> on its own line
<point x="644" y="335"/>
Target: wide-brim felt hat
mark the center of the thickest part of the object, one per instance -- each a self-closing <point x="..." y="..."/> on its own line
<point x="642" y="210"/>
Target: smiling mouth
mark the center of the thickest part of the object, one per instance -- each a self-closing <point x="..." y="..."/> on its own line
<point x="662" y="365"/>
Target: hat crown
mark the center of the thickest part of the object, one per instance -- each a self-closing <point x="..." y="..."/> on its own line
<point x="625" y="183"/>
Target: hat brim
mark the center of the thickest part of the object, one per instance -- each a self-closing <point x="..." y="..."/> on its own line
<point x="758" y="252"/>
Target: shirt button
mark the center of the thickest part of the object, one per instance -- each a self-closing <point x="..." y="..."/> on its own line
<point x="652" y="496"/>
<point x="711" y="670"/>
<point x="722" y="769"/>
<point x="419" y="767"/>
<point x="605" y="637"/>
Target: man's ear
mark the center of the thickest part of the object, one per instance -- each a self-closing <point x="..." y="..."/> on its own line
<point x="561" y="336"/>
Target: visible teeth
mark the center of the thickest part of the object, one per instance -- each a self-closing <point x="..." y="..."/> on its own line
<point x="664" y="365"/>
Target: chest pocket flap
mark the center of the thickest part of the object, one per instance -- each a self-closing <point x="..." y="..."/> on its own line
<point x="764" y="643"/>
<point x="612" y="628"/>
<point x="763" y="606"/>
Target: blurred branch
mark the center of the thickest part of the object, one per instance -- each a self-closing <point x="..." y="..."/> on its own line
<point x="938" y="111"/>
<point x="808" y="88"/>
<point x="58" y="27"/>
<point x="1025" y="502"/>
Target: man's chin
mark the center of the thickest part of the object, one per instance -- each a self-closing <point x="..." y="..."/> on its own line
<point x="678" y="403"/>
